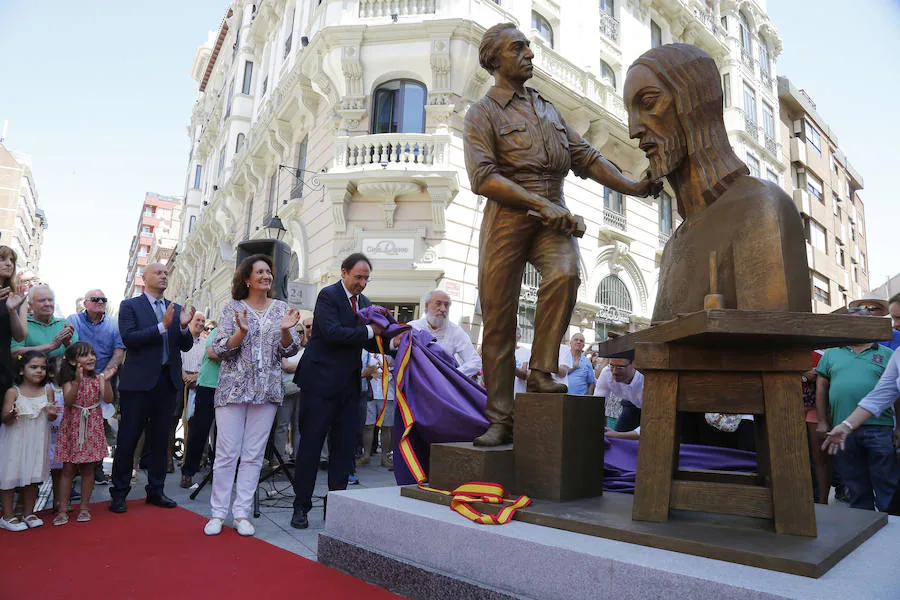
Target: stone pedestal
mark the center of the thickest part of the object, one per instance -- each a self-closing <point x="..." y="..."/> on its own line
<point x="559" y="446"/>
<point x="456" y="463"/>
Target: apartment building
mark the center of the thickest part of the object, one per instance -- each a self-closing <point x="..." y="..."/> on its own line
<point x="22" y="221"/>
<point x="155" y="238"/>
<point x="826" y="189"/>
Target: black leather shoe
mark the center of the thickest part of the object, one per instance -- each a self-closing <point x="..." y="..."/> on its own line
<point x="161" y="500"/>
<point x="299" y="520"/>
<point x="117" y="505"/>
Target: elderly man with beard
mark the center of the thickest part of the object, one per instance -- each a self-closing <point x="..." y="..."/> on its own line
<point x="519" y="150"/>
<point x="449" y="336"/>
<point x="46" y="333"/>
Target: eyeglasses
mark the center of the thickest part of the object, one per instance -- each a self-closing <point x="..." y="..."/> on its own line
<point x="208" y="328"/>
<point x="99" y="299"/>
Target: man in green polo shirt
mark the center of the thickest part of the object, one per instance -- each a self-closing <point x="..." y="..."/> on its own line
<point x="868" y="467"/>
<point x="46" y="333"/>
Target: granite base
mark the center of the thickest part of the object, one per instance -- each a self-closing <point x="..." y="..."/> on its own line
<point x="394" y="539"/>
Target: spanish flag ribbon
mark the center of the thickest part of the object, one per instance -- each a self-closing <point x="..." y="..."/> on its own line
<point x="467" y="493"/>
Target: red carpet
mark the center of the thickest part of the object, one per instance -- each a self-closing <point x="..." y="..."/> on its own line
<point x="158" y="554"/>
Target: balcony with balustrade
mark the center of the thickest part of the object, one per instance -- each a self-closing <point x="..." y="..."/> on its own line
<point x="613" y="227"/>
<point x="609" y="26"/>
<point x="391" y="151"/>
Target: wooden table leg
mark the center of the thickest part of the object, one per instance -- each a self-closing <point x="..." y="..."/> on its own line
<point x="792" y="493"/>
<point x="658" y="450"/>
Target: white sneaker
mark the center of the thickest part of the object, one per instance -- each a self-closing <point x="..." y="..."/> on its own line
<point x="213" y="526"/>
<point x="244" y="526"/>
<point x="14" y="524"/>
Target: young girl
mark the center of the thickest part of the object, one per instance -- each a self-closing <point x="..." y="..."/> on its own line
<point x="25" y="439"/>
<point x="81" y="439"/>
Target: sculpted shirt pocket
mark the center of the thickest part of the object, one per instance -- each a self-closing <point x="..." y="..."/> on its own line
<point x="512" y="137"/>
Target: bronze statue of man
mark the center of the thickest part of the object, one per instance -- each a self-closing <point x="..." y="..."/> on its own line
<point x="519" y="150"/>
<point x="674" y="99"/>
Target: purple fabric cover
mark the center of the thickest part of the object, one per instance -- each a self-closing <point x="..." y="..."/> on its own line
<point x="447" y="406"/>
<point x="620" y="462"/>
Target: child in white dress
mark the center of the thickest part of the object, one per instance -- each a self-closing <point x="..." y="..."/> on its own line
<point x="25" y="439"/>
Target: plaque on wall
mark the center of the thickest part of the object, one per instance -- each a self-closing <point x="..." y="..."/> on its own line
<point x="389" y="248"/>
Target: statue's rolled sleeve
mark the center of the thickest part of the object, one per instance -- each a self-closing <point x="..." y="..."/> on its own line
<point x="581" y="153"/>
<point x="480" y="154"/>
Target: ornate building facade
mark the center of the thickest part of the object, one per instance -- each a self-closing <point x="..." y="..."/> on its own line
<point x="344" y="118"/>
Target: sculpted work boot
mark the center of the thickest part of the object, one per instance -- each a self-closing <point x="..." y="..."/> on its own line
<point x="540" y="382"/>
<point x="496" y="435"/>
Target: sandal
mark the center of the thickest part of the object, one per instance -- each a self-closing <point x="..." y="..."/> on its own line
<point x="33" y="521"/>
<point x="61" y="518"/>
<point x="84" y="515"/>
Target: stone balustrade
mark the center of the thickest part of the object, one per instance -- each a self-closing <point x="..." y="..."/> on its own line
<point x="391" y="150"/>
<point x="401" y="8"/>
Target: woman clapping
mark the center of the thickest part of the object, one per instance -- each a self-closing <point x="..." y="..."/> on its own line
<point x="255" y="333"/>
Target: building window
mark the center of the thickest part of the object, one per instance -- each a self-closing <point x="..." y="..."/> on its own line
<point x="399" y="107"/>
<point x="763" y="58"/>
<point x="273" y="181"/>
<point x="612" y="200"/>
<point x="746" y="41"/>
<point x="840" y="256"/>
<point x="750" y="103"/>
<point x="852" y="231"/>
<point x="143" y="250"/>
<point x="248" y="77"/>
<point x="726" y="89"/>
<point x="771" y="176"/>
<point x="221" y="163"/>
<point x="814" y="187"/>
<point x="531" y="280"/>
<point x="197" y="172"/>
<point x="814" y="138"/>
<point x="655" y="35"/>
<point x="192" y="223"/>
<point x="542" y="26"/>
<point x="608" y="6"/>
<point x="862" y="262"/>
<point x="665" y="214"/>
<point x="855" y="274"/>
<point x="612" y="292"/>
<point x="768" y="121"/>
<point x="817" y="236"/>
<point x="240" y="142"/>
<point x="821" y="288"/>
<point x="289" y="25"/>
<point x="230" y="96"/>
<point x="146" y="230"/>
<point x="849" y="191"/>
<point x="836" y="205"/>
<point x="265" y="86"/>
<point x="607" y="74"/>
<point x="753" y="165"/>
<point x="297" y="192"/>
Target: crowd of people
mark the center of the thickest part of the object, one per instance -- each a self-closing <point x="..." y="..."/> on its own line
<point x="319" y="392"/>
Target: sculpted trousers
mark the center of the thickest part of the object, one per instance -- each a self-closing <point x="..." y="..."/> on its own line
<point x="509" y="238"/>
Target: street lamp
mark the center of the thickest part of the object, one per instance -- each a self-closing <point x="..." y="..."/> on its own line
<point x="275" y="228"/>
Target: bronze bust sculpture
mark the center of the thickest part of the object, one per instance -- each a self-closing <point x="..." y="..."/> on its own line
<point x="518" y="151"/>
<point x="674" y="99"/>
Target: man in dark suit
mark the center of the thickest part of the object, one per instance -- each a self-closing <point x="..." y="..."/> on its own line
<point x="329" y="377"/>
<point x="155" y="333"/>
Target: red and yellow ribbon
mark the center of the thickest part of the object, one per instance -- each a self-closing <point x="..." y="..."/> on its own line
<point x="466" y="494"/>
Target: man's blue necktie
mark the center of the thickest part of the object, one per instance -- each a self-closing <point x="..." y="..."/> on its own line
<point x="159" y="308"/>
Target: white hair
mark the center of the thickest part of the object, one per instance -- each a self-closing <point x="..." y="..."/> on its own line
<point x="431" y="294"/>
<point x="40" y="287"/>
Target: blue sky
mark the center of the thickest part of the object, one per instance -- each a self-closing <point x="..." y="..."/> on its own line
<point x="100" y="94"/>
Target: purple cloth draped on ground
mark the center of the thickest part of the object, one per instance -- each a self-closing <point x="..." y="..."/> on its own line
<point x="447" y="406"/>
<point x="620" y="462"/>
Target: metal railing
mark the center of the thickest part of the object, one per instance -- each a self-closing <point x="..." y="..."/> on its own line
<point x="609" y="26"/>
<point x="615" y="219"/>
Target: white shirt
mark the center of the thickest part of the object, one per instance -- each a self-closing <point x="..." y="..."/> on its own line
<point x="192" y="359"/>
<point x="615" y="392"/>
<point x="565" y="360"/>
<point x="455" y="342"/>
<point x="523" y="355"/>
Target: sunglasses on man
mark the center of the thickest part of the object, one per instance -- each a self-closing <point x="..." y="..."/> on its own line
<point x="99" y="299"/>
